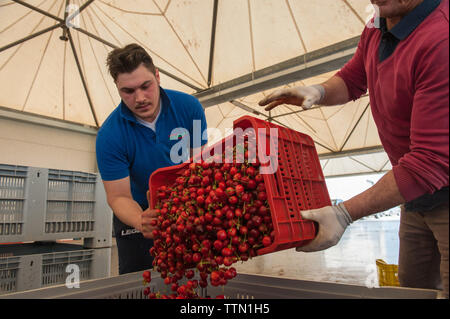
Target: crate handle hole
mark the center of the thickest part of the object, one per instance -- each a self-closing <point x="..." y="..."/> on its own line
<point x="277" y="184"/>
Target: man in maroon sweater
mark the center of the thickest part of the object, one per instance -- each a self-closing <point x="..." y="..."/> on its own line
<point x="404" y="63"/>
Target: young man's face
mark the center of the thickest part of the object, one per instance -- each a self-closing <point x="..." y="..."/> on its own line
<point x="139" y="90"/>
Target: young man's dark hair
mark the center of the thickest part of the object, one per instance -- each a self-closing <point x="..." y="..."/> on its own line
<point x="127" y="59"/>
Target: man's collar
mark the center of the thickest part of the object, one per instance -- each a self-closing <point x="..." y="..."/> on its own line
<point x="126" y="113"/>
<point x="411" y="21"/>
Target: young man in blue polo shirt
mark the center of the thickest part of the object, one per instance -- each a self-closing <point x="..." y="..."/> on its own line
<point x="136" y="139"/>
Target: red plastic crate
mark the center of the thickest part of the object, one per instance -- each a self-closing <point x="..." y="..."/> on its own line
<point x="297" y="184"/>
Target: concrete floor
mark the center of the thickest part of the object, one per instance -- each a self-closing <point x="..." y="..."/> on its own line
<point x="352" y="261"/>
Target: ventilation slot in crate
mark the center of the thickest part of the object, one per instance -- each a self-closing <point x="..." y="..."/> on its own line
<point x="8" y="274"/>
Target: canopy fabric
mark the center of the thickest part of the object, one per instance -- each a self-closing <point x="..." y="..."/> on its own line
<point x="53" y="52"/>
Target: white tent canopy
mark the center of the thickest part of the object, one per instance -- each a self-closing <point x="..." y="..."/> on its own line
<point x="228" y="53"/>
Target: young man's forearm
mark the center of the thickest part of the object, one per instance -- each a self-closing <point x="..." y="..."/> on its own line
<point x="127" y="211"/>
<point x="380" y="197"/>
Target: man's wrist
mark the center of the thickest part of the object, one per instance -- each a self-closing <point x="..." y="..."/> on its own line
<point x="347" y="217"/>
<point x="137" y="223"/>
<point x="321" y="90"/>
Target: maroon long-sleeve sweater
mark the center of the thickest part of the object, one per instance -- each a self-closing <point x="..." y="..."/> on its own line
<point x="409" y="96"/>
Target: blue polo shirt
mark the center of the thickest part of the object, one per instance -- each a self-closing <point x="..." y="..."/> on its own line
<point x="125" y="147"/>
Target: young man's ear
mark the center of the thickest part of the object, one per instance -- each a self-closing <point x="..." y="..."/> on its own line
<point x="157" y="76"/>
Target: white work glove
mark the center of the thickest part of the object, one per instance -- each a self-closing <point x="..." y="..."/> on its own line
<point x="333" y="220"/>
<point x="304" y="96"/>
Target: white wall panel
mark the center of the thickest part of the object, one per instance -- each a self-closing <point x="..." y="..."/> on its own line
<point x="30" y="144"/>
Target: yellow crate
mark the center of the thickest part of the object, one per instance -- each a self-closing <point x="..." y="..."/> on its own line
<point x="387" y="273"/>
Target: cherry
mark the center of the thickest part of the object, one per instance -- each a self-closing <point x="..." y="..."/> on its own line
<point x="266" y="241"/>
<point x="227" y="252"/>
<point x="213" y="215"/>
<point x="147" y="276"/>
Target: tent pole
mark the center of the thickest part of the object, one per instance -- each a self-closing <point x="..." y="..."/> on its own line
<point x="301" y="67"/>
<point x="39" y="10"/>
<point x="87" y="3"/>
<point x="256" y="112"/>
<point x="161" y="70"/>
<point x="97" y="38"/>
<point x="354" y="127"/>
<point x="66" y="13"/>
<point x="179" y="80"/>
<point x="213" y="40"/>
<point x="63" y="22"/>
<point x="354" y="152"/>
<point x="246" y="108"/>
<point x="73" y="15"/>
<point x="302" y="110"/>
<point x="31" y="36"/>
<point x="362" y="164"/>
<point x="72" y="45"/>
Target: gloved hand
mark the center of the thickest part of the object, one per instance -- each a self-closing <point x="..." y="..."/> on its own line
<point x="304" y="96"/>
<point x="333" y="220"/>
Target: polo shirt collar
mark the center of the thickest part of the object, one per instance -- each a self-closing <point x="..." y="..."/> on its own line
<point x="128" y="115"/>
<point x="411" y="21"/>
